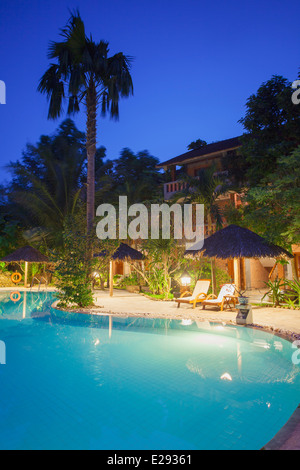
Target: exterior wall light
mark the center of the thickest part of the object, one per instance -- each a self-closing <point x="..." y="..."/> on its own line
<point x="185" y="279"/>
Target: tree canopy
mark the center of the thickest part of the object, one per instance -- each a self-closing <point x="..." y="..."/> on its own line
<point x="269" y="164"/>
<point x="197" y="144"/>
<point x="272" y="128"/>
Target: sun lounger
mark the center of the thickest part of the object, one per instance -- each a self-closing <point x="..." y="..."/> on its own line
<point x="199" y="293"/>
<point x="225" y="299"/>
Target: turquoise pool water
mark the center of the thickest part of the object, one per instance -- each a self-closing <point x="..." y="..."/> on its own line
<point x="125" y="383"/>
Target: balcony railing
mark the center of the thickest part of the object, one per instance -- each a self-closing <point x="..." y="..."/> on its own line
<point x="173" y="187"/>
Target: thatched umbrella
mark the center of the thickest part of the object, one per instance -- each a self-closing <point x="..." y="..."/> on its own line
<point x="123" y="253"/>
<point x="234" y="242"/>
<point x="26" y="255"/>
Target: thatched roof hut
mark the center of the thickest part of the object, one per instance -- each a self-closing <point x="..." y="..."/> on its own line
<point x="234" y="242"/>
<point x="124" y="252"/>
<point x="238" y="242"/>
<point x="127" y="252"/>
<point x="26" y="254"/>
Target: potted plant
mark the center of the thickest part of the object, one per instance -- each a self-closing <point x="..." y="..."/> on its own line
<point x="243" y="300"/>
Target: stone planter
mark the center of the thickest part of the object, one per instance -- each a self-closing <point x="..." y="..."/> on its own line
<point x="243" y="300"/>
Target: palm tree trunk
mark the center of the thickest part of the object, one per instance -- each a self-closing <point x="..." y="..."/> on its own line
<point x="91" y="105"/>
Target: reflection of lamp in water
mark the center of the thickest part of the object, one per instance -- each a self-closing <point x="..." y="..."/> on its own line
<point x="186" y="322"/>
<point x="110" y="325"/>
<point x="226" y="376"/>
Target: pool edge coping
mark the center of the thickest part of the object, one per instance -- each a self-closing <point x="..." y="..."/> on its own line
<point x="285" y="434"/>
<point x="288" y="335"/>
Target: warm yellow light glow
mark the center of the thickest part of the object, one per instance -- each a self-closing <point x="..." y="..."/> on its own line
<point x="219" y="327"/>
<point x="185" y="281"/>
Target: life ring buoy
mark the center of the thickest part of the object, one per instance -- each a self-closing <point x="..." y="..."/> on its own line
<point x="16" y="277"/>
<point x="13" y="298"/>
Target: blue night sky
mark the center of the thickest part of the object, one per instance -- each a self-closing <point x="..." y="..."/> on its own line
<point x="195" y="64"/>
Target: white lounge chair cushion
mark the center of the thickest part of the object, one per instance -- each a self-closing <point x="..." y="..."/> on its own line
<point x="227" y="289"/>
<point x="191" y="298"/>
<point x="201" y="287"/>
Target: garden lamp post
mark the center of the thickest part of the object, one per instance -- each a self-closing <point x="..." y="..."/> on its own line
<point x="185" y="281"/>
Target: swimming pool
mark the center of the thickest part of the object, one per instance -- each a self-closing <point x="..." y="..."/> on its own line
<point x="135" y="383"/>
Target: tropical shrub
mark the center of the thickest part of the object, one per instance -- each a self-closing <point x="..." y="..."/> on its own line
<point x="73" y="271"/>
<point x="164" y="260"/>
<point x="275" y="292"/>
<point x="131" y="280"/>
<point x="292" y="297"/>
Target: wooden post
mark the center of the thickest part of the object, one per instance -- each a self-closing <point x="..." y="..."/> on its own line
<point x="237" y="272"/>
<point x="296" y="266"/>
<point x="213" y="276"/>
<point x="26" y="273"/>
<point x="111" y="278"/>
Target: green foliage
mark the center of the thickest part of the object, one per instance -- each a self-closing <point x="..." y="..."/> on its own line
<point x="164" y="259"/>
<point x="284" y="292"/>
<point x="132" y="175"/>
<point x="78" y="65"/>
<point x="203" y="271"/>
<point x="10" y="238"/>
<point x="272" y="125"/>
<point x="2" y="267"/>
<point x="273" y="207"/>
<point x="292" y="297"/>
<point x="160" y="296"/>
<point x="205" y="189"/>
<point x="158" y="283"/>
<point x="101" y="263"/>
<point x="47" y="182"/>
<point x="138" y="176"/>
<point x="271" y="154"/>
<point x="73" y="269"/>
<point x="82" y="73"/>
<point x="236" y="166"/>
<point x="197" y="144"/>
<point x="275" y="292"/>
<point x="132" y="280"/>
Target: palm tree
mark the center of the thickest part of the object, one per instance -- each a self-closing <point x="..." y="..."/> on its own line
<point x="205" y="189"/>
<point x="83" y="73"/>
